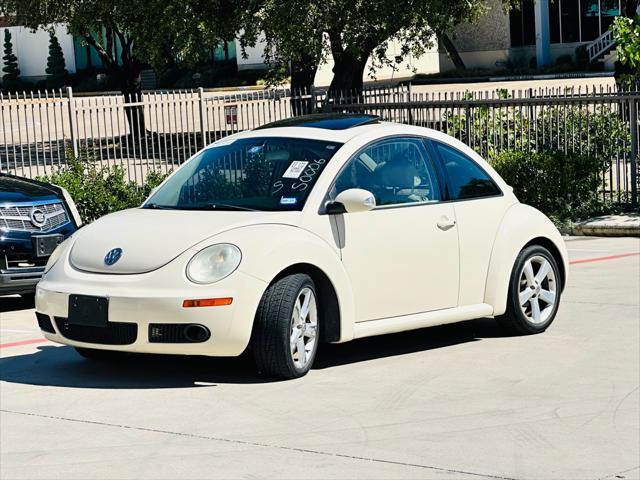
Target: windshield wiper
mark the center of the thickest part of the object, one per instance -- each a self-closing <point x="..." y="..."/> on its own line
<point x="226" y="206"/>
<point x="155" y="206"/>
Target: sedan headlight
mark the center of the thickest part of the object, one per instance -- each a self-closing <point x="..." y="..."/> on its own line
<point x="213" y="263"/>
<point x="55" y="255"/>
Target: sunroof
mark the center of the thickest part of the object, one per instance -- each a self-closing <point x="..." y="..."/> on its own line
<point x="329" y="121"/>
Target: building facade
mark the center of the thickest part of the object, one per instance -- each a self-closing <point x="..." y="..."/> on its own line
<point x="501" y="37"/>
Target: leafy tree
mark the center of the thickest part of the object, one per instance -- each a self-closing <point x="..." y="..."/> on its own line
<point x="128" y="34"/>
<point x="626" y="33"/>
<point x="356" y="30"/>
<point x="56" y="71"/>
<point x="11" y="78"/>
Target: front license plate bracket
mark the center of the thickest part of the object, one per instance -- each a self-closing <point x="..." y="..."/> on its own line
<point x="88" y="310"/>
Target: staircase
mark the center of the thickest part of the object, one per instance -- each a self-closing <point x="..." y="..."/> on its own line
<point x="602" y="49"/>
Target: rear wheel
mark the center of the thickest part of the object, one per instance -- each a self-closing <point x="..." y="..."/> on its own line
<point x="534" y="292"/>
<point x="285" y="333"/>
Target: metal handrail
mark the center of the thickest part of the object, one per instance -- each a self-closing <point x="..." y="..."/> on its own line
<point x="600" y="45"/>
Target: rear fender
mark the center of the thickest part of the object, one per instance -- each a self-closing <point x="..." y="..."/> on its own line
<point x="520" y="225"/>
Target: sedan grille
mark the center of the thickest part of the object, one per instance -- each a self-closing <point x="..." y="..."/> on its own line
<point x="18" y="217"/>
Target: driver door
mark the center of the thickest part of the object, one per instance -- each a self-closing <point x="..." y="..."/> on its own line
<point x="402" y="256"/>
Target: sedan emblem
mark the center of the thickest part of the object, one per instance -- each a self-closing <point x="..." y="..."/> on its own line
<point x="112" y="256"/>
<point x="37" y="217"/>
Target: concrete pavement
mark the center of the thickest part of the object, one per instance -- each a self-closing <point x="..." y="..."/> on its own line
<point x="459" y="401"/>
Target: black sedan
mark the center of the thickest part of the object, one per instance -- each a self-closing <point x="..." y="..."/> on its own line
<point x="35" y="218"/>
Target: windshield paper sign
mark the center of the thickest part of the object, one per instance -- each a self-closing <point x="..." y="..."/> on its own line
<point x="295" y="169"/>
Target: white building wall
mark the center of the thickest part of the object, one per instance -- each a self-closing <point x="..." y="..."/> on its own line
<point x="428" y="63"/>
<point x="255" y="56"/>
<point x="32" y="50"/>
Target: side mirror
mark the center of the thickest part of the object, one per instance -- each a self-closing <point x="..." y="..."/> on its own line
<point x="352" y="200"/>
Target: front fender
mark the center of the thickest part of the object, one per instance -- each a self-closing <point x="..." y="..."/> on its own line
<point x="521" y="224"/>
<point x="268" y="249"/>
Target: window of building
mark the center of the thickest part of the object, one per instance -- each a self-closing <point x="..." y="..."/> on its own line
<point x="609" y="9"/>
<point x="570" y="21"/>
<point x="554" y="21"/>
<point x="589" y="19"/>
<point x="522" y="24"/>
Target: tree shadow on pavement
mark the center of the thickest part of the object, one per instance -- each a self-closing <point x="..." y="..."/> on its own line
<point x="61" y="366"/>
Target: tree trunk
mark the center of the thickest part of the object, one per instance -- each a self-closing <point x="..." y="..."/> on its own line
<point x="130" y="88"/>
<point x="452" y="51"/>
<point x="348" y="72"/>
<point x="303" y="73"/>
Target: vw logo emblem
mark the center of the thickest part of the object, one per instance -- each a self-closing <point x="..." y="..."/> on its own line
<point x="37" y="217"/>
<point x="112" y="256"/>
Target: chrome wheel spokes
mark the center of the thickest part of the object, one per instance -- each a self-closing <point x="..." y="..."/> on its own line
<point x="537" y="289"/>
<point x="304" y="327"/>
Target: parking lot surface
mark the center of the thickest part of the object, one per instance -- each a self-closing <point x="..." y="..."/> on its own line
<point x="456" y="401"/>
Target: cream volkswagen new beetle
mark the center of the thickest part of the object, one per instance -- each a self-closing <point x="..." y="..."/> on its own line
<point x="322" y="228"/>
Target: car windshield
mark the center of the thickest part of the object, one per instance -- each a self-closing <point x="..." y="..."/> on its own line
<point x="269" y="173"/>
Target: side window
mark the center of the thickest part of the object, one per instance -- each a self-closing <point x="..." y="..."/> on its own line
<point x="466" y="177"/>
<point x="396" y="171"/>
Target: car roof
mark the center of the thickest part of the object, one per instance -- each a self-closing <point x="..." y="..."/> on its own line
<point x="325" y="127"/>
<point x="330" y="121"/>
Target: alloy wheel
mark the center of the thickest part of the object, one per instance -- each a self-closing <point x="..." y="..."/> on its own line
<point x="304" y="328"/>
<point x="537" y="293"/>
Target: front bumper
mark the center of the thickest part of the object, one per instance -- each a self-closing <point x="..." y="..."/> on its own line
<point x="153" y="298"/>
<point x="22" y="281"/>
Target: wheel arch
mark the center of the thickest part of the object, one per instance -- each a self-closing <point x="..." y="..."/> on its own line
<point x="555" y="252"/>
<point x="329" y="306"/>
<point x="521" y="226"/>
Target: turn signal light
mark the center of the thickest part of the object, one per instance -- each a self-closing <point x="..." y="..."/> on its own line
<point x="207" y="302"/>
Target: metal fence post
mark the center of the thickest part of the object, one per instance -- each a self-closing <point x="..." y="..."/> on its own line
<point x="202" y="127"/>
<point x="410" y="111"/>
<point x="633" y="121"/>
<point x="72" y="122"/>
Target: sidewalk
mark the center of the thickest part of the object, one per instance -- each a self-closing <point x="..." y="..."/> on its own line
<point x="627" y="225"/>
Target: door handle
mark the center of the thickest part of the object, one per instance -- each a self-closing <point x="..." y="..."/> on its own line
<point x="445" y="223"/>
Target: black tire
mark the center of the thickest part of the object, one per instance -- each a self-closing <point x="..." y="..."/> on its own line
<point x="99" y="355"/>
<point x="514" y="320"/>
<point x="270" y="340"/>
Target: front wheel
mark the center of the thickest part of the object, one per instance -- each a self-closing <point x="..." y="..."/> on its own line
<point x="534" y="292"/>
<point x="285" y="333"/>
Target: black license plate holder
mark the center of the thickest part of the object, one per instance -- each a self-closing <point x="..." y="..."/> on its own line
<point x="88" y="310"/>
<point x="44" y="245"/>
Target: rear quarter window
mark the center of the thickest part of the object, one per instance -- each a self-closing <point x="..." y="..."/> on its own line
<point x="466" y="178"/>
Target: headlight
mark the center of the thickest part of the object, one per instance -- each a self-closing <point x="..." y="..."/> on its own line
<point x="214" y="263"/>
<point x="55" y="256"/>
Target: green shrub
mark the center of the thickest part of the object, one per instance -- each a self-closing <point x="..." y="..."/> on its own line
<point x="11" y="78"/>
<point x="56" y="69"/>
<point x="562" y="185"/>
<point x="98" y="190"/>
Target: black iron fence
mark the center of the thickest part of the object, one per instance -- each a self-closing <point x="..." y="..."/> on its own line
<point x="157" y="131"/>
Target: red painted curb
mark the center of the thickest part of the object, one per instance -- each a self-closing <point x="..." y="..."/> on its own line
<point x="23" y="342"/>
<point x="601" y="259"/>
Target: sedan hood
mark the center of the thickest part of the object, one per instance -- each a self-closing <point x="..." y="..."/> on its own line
<point x="150" y="238"/>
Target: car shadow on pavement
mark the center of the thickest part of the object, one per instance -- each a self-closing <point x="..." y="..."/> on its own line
<point x="14" y="303"/>
<point x="61" y="366"/>
<point x="371" y="348"/>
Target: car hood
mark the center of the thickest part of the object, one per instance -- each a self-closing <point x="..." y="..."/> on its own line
<point x="150" y="238"/>
<point x="16" y="190"/>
